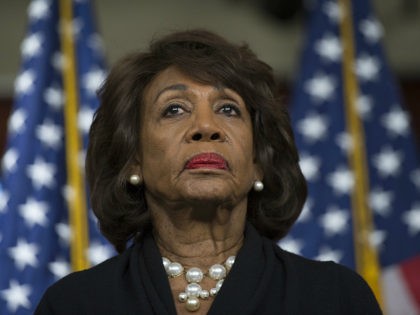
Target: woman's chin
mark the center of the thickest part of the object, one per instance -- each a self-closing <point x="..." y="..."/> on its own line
<point x="216" y="190"/>
<point x="213" y="199"/>
<point x="208" y="196"/>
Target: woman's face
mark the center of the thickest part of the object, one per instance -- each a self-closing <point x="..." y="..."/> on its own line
<point x="195" y="142"/>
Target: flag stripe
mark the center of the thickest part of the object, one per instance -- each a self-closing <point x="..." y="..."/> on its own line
<point x="77" y="208"/>
<point x="397" y="297"/>
<point x="366" y="256"/>
<point x="411" y="273"/>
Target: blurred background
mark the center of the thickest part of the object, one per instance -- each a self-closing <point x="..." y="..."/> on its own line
<point x="274" y="29"/>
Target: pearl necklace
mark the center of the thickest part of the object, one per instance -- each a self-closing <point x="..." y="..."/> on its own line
<point x="194" y="275"/>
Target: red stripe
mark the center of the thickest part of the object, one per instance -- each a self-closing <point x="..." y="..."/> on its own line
<point x="411" y="273"/>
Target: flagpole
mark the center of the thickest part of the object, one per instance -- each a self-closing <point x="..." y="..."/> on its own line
<point x="366" y="256"/>
<point x="76" y="198"/>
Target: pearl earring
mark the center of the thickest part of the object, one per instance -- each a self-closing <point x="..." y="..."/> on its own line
<point x="135" y="179"/>
<point x="258" y="185"/>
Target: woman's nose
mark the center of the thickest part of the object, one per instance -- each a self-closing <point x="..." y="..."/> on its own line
<point x="205" y="127"/>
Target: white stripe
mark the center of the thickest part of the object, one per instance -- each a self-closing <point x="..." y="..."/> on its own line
<point x="397" y="297"/>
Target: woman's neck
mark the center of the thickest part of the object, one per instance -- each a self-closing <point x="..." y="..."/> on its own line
<point x="199" y="236"/>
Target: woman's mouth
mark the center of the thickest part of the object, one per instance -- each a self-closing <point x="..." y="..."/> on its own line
<point x="207" y="160"/>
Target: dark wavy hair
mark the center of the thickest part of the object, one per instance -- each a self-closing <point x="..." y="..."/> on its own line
<point x="114" y="136"/>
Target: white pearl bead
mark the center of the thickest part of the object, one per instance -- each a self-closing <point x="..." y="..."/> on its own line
<point x="193" y="304"/>
<point x="204" y="294"/>
<point x="229" y="262"/>
<point x="258" y="185"/>
<point x="194" y="275"/>
<point x="217" y="272"/>
<point x="213" y="291"/>
<point x="193" y="289"/>
<point x="165" y="262"/>
<point x="135" y="179"/>
<point x="182" y="297"/>
<point x="175" y="269"/>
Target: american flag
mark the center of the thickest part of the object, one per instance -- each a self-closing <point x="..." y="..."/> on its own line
<point x="35" y="234"/>
<point x="326" y="228"/>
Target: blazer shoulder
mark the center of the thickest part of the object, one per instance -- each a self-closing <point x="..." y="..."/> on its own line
<point x="95" y="274"/>
<point x="332" y="283"/>
<point x="79" y="290"/>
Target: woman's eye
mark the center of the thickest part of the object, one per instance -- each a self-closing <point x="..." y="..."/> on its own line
<point x="173" y="110"/>
<point x="230" y="110"/>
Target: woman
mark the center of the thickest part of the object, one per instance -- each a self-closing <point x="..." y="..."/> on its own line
<point x="192" y="163"/>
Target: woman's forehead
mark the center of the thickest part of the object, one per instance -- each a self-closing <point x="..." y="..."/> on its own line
<point x="174" y="79"/>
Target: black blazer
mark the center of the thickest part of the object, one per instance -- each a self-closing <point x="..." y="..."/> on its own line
<point x="264" y="280"/>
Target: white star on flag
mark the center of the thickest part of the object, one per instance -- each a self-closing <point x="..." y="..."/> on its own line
<point x="64" y="232"/>
<point x="291" y="245"/>
<point x="9" y="160"/>
<point x="377" y="239"/>
<point x="380" y="201"/>
<point x="31" y="45"/>
<point x="77" y="26"/>
<point x="16" y="296"/>
<point x="34" y="212"/>
<point x="329" y="48"/>
<point x="328" y="254"/>
<point x="344" y="141"/>
<point x="310" y="166"/>
<point x="54" y="97"/>
<point x="57" y="61"/>
<point x="92" y="80"/>
<point x="341" y="180"/>
<point x="321" y="87"/>
<point x="4" y="198"/>
<point x="17" y="121"/>
<point x="50" y="134"/>
<point x="59" y="268"/>
<point x="305" y="215"/>
<point x="85" y="119"/>
<point x="334" y="221"/>
<point x="333" y="11"/>
<point x="372" y="30"/>
<point x="38" y="9"/>
<point x="24" y="254"/>
<point x="396" y="121"/>
<point x="98" y="253"/>
<point x="313" y="127"/>
<point x="41" y="173"/>
<point x="412" y="219"/>
<point x="364" y="105"/>
<point x="388" y="162"/>
<point x="68" y="193"/>
<point x="25" y="82"/>
<point x="367" y="67"/>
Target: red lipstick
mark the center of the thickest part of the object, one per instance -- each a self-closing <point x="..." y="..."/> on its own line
<point x="207" y="160"/>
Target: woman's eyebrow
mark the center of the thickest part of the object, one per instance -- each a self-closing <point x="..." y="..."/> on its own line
<point x="174" y="87"/>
